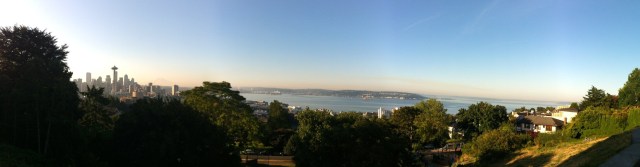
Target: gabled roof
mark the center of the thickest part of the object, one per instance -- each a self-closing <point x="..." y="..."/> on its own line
<point x="538" y="120"/>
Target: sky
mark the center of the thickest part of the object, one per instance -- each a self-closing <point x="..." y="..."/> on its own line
<point x="531" y="50"/>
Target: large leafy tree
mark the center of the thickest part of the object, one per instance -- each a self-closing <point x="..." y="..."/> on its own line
<point x="278" y="126"/>
<point x="168" y="133"/>
<point x="479" y="118"/>
<point x="433" y="122"/>
<point x="403" y="120"/>
<point x="278" y="116"/>
<point x="630" y="93"/>
<point x="225" y="108"/>
<point x="96" y="124"/>
<point x="38" y="103"/>
<point x="347" y="139"/>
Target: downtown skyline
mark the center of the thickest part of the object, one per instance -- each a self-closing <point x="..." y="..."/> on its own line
<point x="542" y="50"/>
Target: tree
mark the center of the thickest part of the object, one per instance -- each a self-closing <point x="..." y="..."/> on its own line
<point x="225" y="108"/>
<point x="169" y="133"/>
<point x="347" y="139"/>
<point x="278" y="126"/>
<point x="403" y="119"/>
<point x="96" y="125"/>
<point x="278" y="116"/>
<point x="433" y="122"/>
<point x="479" y="118"/>
<point x="598" y="98"/>
<point x="574" y="105"/>
<point x="630" y="93"/>
<point x="38" y="103"/>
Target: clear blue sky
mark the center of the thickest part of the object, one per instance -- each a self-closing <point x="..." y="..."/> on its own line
<point x="537" y="50"/>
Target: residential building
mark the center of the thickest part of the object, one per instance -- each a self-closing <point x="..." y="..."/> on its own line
<point x="532" y="123"/>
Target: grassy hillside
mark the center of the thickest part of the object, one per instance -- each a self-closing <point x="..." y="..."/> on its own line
<point x="573" y="153"/>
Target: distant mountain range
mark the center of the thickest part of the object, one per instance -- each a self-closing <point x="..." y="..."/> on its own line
<point x="365" y="94"/>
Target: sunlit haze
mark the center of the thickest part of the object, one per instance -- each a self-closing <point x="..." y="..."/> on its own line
<point x="532" y="50"/>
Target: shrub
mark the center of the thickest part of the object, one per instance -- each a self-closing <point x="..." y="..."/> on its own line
<point x="633" y="120"/>
<point x="496" y="143"/>
<point x="550" y="140"/>
<point x="597" y="121"/>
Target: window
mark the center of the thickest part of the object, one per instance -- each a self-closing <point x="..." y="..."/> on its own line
<point x="549" y="128"/>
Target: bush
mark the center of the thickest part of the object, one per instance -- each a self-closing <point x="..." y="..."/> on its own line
<point x="496" y="143"/>
<point x="550" y="140"/>
<point x="14" y="156"/>
<point x="633" y="120"/>
<point x="598" y="121"/>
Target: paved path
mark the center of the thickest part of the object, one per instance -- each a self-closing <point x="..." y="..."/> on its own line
<point x="629" y="156"/>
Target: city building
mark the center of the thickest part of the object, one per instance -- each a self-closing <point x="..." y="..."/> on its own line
<point x="89" y="79"/>
<point x="382" y="113"/>
<point x="174" y="90"/>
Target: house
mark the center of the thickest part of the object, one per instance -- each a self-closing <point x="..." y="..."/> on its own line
<point x="532" y="123"/>
<point x="565" y="114"/>
<point x="454" y="131"/>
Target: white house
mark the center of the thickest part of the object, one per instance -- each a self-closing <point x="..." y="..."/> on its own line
<point x="565" y="114"/>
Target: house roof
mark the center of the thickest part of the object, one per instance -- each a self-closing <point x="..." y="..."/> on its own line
<point x="538" y="120"/>
<point x="567" y="109"/>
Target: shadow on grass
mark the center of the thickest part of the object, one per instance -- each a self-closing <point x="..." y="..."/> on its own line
<point x="539" y="160"/>
<point x="600" y="152"/>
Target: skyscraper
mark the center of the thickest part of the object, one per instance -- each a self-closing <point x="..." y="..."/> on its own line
<point x="126" y="81"/>
<point x="89" y="79"/>
<point x="174" y="90"/>
<point x="115" y="80"/>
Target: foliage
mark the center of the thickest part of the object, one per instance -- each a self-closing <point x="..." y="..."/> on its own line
<point x="38" y="103"/>
<point x="433" y="122"/>
<point x="225" y="108"/>
<point x="495" y="143"/>
<point x="403" y="119"/>
<point x="159" y="133"/>
<point x="480" y="118"/>
<point x="12" y="156"/>
<point x="633" y="120"/>
<point x="597" y="121"/>
<point x="347" y="139"/>
<point x="630" y="93"/>
<point x="598" y="98"/>
<point x="278" y="116"/>
<point x="574" y="105"/>
<point x="96" y="125"/>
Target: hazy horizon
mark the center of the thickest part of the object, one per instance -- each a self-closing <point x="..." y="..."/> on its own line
<point x="533" y="50"/>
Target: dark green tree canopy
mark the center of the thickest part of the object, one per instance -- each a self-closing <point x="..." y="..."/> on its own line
<point x="38" y="103"/>
<point x="480" y="117"/>
<point x="630" y="93"/>
<point x="225" y="108"/>
<point x="347" y="139"/>
<point x="278" y="116"/>
<point x="403" y="119"/>
<point x="597" y="98"/>
<point x="161" y="133"/>
<point x="433" y="122"/>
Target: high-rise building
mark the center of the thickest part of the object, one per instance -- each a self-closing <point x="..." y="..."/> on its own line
<point x="120" y="84"/>
<point x="114" y="86"/>
<point x="174" y="90"/>
<point x="99" y="81"/>
<point x="126" y="81"/>
<point x="89" y="79"/>
<point x="150" y="87"/>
